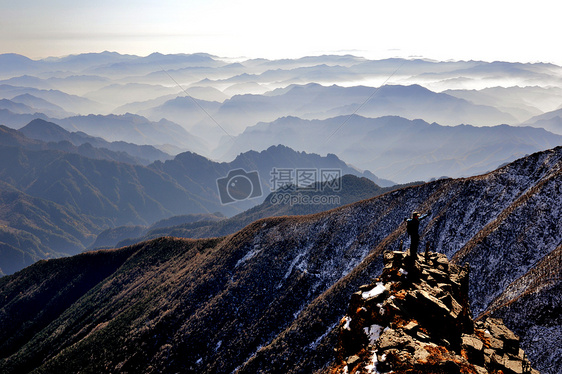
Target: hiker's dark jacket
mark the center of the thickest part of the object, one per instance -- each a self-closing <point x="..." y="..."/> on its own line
<point x="413" y="225"/>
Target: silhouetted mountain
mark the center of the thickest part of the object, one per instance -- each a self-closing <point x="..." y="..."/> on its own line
<point x="28" y="81"/>
<point x="78" y="84"/>
<point x="139" y="106"/>
<point x="115" y="95"/>
<point x="121" y="193"/>
<point x="183" y="110"/>
<point x="479" y="74"/>
<point x="207" y="93"/>
<point x="521" y="102"/>
<point x="70" y="84"/>
<point x="341" y="60"/>
<point x="102" y="193"/>
<point x="41" y="105"/>
<point x="70" y="103"/>
<point x="14" y="138"/>
<point x="270" y="298"/>
<point x="314" y="101"/>
<point x="551" y="121"/>
<point x="13" y="64"/>
<point x="155" y="62"/>
<point x="17" y="121"/>
<point x="319" y="72"/>
<point x="51" y="132"/>
<point x="415" y="102"/>
<point x="400" y="149"/>
<point x="17" y="108"/>
<point x="85" y="61"/>
<point x="134" y="129"/>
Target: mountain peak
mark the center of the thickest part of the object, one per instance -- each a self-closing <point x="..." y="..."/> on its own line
<point x="415" y="318"/>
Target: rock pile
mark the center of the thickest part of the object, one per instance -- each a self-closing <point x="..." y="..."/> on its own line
<point x="415" y="318"/>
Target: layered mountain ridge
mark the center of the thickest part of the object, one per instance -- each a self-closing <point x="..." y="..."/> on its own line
<point x="95" y="188"/>
<point x="270" y="297"/>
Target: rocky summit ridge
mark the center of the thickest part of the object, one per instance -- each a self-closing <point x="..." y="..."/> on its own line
<point x="416" y="318"/>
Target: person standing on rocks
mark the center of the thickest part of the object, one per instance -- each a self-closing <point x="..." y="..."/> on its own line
<point x="412" y="227"/>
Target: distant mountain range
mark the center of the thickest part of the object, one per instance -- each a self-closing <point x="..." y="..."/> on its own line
<point x="128" y="128"/>
<point x="134" y="129"/>
<point x="521" y="102"/>
<point x="69" y="103"/>
<point x="270" y="297"/>
<point x="399" y="149"/>
<point x="314" y="101"/>
<point x="105" y="63"/>
<point x="216" y="99"/>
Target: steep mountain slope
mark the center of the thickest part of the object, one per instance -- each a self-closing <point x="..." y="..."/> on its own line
<point x="54" y="203"/>
<point x="533" y="303"/>
<point x="269" y="298"/>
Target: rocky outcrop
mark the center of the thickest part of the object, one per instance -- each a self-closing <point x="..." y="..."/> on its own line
<point x="415" y="318"/>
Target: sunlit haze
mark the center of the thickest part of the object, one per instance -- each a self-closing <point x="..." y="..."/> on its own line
<point x="478" y="30"/>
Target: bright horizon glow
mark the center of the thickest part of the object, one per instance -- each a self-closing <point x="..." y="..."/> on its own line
<point x="441" y="30"/>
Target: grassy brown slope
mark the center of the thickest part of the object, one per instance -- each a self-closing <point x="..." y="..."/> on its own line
<point x="33" y="298"/>
<point x="89" y="299"/>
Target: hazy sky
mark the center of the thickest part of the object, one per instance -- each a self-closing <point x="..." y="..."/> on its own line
<point x="488" y="30"/>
